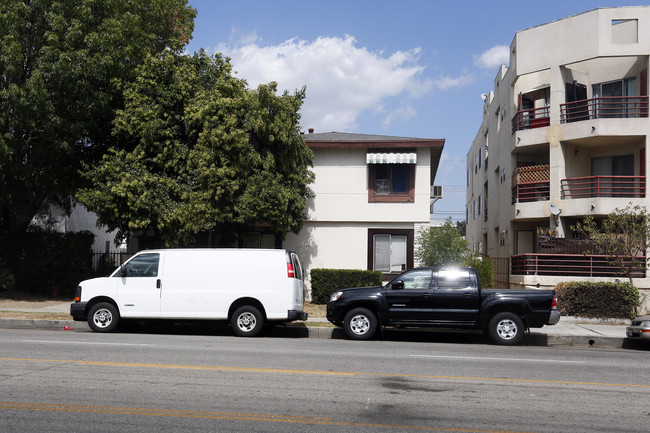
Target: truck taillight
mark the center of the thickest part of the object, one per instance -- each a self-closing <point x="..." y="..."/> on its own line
<point x="554" y="305"/>
<point x="291" y="273"/>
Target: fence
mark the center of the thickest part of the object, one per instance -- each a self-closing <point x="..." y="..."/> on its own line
<point x="104" y="263"/>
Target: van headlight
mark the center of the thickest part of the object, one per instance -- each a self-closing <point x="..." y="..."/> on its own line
<point x="335" y="296"/>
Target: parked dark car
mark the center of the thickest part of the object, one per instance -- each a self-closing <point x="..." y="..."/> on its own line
<point x="442" y="297"/>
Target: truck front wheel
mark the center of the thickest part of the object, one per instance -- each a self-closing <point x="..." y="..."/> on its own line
<point x="247" y="321"/>
<point x="360" y="324"/>
<point x="506" y="329"/>
<point x="103" y="317"/>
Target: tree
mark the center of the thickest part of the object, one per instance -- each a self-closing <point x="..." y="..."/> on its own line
<point x="199" y="154"/>
<point x="442" y="246"/>
<point x="63" y="65"/>
<point x="622" y="236"/>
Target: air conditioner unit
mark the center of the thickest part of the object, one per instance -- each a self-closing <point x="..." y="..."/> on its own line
<point x="436" y="191"/>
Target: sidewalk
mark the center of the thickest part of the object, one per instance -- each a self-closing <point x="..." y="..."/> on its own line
<point x="570" y="331"/>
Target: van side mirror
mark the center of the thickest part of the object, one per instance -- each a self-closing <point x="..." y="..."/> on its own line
<point x="122" y="271"/>
<point x="397" y="285"/>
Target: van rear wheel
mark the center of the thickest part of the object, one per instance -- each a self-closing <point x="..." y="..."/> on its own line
<point x="247" y="321"/>
<point x="103" y="317"/>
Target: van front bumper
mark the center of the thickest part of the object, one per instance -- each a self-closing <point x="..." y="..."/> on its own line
<point x="78" y="311"/>
<point x="296" y="315"/>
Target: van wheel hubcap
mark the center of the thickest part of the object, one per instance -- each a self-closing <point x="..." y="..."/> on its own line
<point x="360" y="324"/>
<point x="246" y="322"/>
<point x="102" y="318"/>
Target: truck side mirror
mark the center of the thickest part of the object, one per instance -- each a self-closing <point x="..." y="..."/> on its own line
<point x="397" y="285"/>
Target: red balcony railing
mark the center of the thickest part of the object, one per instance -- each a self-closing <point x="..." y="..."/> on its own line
<point x="604" y="186"/>
<point x="571" y="265"/>
<point x="616" y="107"/>
<point x="530" y="191"/>
<point x="530" y="119"/>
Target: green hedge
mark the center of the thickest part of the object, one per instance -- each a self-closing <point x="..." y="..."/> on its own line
<point x="326" y="281"/>
<point x="600" y="300"/>
<point x="46" y="260"/>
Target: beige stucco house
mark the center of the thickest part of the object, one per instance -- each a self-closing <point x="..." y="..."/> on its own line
<point x="372" y="195"/>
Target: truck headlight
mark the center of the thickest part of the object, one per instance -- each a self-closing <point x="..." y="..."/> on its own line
<point x="335" y="296"/>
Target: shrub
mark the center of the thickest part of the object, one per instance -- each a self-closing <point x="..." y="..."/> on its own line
<point x="600" y="300"/>
<point x="326" y="281"/>
<point x="484" y="269"/>
<point x="46" y="260"/>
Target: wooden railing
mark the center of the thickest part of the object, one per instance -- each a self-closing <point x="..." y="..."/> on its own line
<point x="616" y="107"/>
<point x="604" y="186"/>
<point x="531" y="119"/>
<point x="571" y="265"/>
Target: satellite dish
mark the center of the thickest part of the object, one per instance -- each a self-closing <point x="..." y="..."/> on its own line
<point x="555" y="209"/>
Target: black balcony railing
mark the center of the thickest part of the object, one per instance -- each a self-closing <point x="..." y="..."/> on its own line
<point x="616" y="107"/>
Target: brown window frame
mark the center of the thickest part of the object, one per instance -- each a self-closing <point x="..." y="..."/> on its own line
<point x="410" y="247"/>
<point x="407" y="197"/>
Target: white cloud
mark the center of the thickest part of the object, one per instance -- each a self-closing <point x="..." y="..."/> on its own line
<point x="402" y="113"/>
<point x="343" y="80"/>
<point x="494" y="57"/>
<point x="445" y="83"/>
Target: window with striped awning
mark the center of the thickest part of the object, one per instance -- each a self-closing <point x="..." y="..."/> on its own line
<point x="391" y="158"/>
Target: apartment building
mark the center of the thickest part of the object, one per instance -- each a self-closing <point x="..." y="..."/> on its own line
<point x="564" y="135"/>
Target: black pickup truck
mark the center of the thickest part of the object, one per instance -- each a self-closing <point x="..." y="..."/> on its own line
<point x="442" y="297"/>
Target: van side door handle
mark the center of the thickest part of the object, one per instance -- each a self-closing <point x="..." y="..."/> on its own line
<point x="158" y="283"/>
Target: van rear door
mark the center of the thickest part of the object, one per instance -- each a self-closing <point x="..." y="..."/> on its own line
<point x="138" y="290"/>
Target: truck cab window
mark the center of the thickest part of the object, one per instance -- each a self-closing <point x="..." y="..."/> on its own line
<point x="453" y="279"/>
<point x="418" y="279"/>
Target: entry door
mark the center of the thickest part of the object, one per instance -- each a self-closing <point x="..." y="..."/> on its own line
<point x="413" y="302"/>
<point x="525" y="242"/>
<point x="139" y="287"/>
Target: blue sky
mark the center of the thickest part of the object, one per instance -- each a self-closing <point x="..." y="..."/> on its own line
<point x="404" y="68"/>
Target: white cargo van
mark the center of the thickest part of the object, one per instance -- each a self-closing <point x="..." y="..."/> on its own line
<point x="247" y="287"/>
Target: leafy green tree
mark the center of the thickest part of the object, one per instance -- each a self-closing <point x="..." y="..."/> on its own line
<point x="200" y="154"/>
<point x="63" y="66"/>
<point x="442" y="246"/>
<point x="622" y="236"/>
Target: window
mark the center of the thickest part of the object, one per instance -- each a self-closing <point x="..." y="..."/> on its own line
<point x="453" y="279"/>
<point x="614" y="103"/>
<point x="144" y="265"/>
<point x="391" y="182"/>
<point x="390" y="250"/>
<point x="418" y="279"/>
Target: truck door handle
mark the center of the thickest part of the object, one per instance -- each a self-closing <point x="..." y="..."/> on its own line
<point x="158" y="284"/>
<point x="427" y="294"/>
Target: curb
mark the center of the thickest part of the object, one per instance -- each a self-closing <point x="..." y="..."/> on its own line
<point x="532" y="339"/>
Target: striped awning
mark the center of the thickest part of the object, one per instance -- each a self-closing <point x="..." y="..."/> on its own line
<point x="391" y="158"/>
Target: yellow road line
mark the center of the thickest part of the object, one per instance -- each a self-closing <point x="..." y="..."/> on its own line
<point x="316" y="372"/>
<point x="226" y="416"/>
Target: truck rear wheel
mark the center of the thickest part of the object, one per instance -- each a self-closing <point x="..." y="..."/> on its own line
<point x="360" y="324"/>
<point x="103" y="317"/>
<point x="247" y="321"/>
<point x="506" y="329"/>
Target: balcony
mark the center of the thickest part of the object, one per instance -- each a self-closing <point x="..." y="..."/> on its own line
<point x="604" y="186"/>
<point x="530" y="183"/>
<point x="531" y="119"/>
<point x="570" y="265"/>
<point x="613" y="107"/>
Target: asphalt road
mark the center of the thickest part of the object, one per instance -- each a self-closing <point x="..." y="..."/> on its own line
<point x="59" y="381"/>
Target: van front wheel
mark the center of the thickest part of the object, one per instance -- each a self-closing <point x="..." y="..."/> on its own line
<point x="103" y="317"/>
<point x="247" y="321"/>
